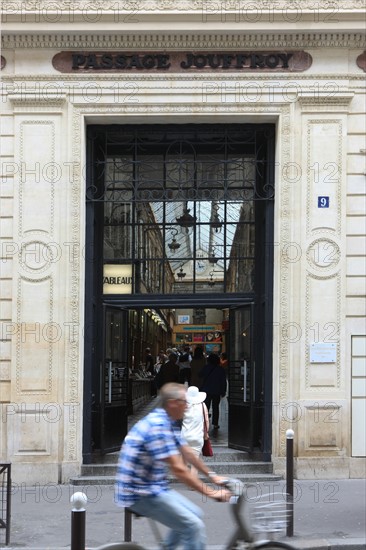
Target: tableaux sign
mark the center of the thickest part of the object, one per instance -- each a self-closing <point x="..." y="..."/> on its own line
<point x="181" y="61"/>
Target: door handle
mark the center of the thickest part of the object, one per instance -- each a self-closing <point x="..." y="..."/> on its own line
<point x="245" y="373"/>
<point x="110" y="382"/>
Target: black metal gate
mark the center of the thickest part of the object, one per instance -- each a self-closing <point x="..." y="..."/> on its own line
<point x="242" y="379"/>
<point x="178" y="214"/>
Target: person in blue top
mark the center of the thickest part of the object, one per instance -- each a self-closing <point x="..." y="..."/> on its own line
<point x="151" y="448"/>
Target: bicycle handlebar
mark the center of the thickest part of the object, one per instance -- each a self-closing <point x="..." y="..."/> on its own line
<point x="239" y="510"/>
<point x="235" y="486"/>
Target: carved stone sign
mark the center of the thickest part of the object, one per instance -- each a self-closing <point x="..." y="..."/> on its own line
<point x="252" y="61"/>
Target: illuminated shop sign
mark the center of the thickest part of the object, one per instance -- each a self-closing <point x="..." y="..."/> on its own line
<point x="280" y="61"/>
<point x="117" y="279"/>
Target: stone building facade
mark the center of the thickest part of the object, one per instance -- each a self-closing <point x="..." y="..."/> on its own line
<point x="56" y="82"/>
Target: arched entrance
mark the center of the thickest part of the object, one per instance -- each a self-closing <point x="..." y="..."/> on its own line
<point x="179" y="216"/>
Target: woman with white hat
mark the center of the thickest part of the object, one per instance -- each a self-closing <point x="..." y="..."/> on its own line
<point x="195" y="421"/>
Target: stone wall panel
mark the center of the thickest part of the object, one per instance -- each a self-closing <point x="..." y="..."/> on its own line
<point x="34" y="337"/>
<point x="36" y="163"/>
<point x="31" y="433"/>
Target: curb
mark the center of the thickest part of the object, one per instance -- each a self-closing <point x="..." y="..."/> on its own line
<point x="300" y="544"/>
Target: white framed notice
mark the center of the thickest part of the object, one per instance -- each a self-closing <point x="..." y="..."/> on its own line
<point x="323" y="352"/>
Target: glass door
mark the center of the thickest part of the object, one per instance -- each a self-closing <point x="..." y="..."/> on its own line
<point x="242" y="379"/>
<point x="114" y="379"/>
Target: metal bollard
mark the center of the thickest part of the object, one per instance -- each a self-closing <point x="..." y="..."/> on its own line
<point x="128" y="525"/>
<point x="78" y="500"/>
<point x="290" y="481"/>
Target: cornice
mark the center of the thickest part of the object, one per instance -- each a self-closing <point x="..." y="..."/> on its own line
<point x="181" y="41"/>
<point x="62" y="86"/>
<point x="339" y="101"/>
<point x="172" y="6"/>
<point x="33" y="103"/>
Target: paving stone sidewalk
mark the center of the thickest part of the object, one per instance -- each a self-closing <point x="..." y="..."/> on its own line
<point x="328" y="514"/>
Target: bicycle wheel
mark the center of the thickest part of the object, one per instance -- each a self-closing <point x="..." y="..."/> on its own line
<point x="271" y="544"/>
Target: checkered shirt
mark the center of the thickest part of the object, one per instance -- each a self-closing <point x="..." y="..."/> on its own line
<point x="142" y="468"/>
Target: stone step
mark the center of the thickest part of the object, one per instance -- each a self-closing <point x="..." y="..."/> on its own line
<point x="229" y="455"/>
<point x="110" y="480"/>
<point x="220" y="468"/>
<point x="223" y="454"/>
<point x="226" y="462"/>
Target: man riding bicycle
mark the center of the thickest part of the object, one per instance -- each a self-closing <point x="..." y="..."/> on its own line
<point x="152" y="447"/>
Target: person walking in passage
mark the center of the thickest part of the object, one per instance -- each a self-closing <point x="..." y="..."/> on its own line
<point x="150" y="449"/>
<point x="197" y="364"/>
<point x="168" y="372"/>
<point x="184" y="362"/>
<point x="214" y="384"/>
<point x="195" y="424"/>
<point x="161" y="359"/>
<point x="149" y="368"/>
<point x="149" y="362"/>
<point x="224" y="362"/>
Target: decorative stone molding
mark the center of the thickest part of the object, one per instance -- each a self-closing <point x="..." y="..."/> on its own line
<point x="329" y="101"/>
<point x="323" y="428"/>
<point x="82" y="111"/>
<point x="39" y="250"/>
<point x="338" y="165"/>
<point x="284" y="273"/>
<point x="323" y="255"/>
<point x="36" y="441"/>
<point x="185" y="82"/>
<point x="20" y="364"/>
<point x="190" y="41"/>
<point x="173" y="108"/>
<point x="333" y="324"/>
<point x="28" y="100"/>
<point x="173" y="6"/>
<point x="38" y="107"/>
<point x="51" y="184"/>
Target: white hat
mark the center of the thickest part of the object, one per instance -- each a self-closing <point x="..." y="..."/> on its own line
<point x="193" y="395"/>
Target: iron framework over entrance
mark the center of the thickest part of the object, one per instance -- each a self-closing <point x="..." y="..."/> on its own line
<point x="178" y="203"/>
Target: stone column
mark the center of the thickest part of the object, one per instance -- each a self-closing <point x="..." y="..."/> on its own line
<point x="323" y="446"/>
<point x="43" y="416"/>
